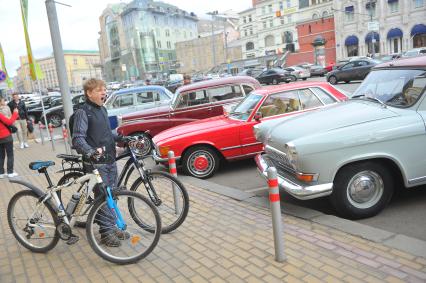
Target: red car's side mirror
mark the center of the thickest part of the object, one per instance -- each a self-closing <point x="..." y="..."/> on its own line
<point x="257" y="116"/>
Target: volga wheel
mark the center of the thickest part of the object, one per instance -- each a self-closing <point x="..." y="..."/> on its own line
<point x="274" y="81"/>
<point x="55" y="120"/>
<point x="200" y="162"/>
<point x="293" y="78"/>
<point x="362" y="190"/>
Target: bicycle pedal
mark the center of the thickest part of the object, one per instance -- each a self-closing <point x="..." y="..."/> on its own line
<point x="73" y="239"/>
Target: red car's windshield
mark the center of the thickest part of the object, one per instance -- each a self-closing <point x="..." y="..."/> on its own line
<point x="243" y="110"/>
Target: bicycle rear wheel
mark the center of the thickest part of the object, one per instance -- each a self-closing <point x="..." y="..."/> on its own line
<point x="34" y="227"/>
<point x="138" y="243"/>
<point x="173" y="197"/>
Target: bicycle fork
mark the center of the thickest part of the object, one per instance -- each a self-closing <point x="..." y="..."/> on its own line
<point x="112" y="205"/>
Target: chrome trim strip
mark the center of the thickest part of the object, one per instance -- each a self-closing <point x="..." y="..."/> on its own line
<point x="298" y="191"/>
<point x="248" y="154"/>
<point x="238" y="146"/>
<point x="417" y="180"/>
<point x="158" y="158"/>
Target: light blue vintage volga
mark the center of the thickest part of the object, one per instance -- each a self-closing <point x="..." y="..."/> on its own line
<point x="359" y="150"/>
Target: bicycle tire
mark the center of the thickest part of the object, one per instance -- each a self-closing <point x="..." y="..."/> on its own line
<point x="65" y="179"/>
<point x="21" y="240"/>
<point x="103" y="252"/>
<point x="165" y="208"/>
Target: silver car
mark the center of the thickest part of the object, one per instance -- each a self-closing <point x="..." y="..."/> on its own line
<point x="298" y="72"/>
<point x="358" y="151"/>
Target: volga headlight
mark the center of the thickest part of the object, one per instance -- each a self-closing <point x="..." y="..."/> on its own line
<point x="290" y="151"/>
<point x="119" y="120"/>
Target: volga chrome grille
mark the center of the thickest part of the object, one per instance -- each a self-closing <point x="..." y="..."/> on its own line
<point x="279" y="159"/>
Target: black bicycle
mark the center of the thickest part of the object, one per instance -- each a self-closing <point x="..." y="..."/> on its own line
<point x="165" y="191"/>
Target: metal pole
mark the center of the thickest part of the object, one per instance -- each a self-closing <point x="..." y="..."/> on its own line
<point x="59" y="58"/>
<point x="226" y="40"/>
<point x="42" y="108"/>
<point x="173" y="171"/>
<point x="213" y="43"/>
<point x="274" y="198"/>
<point x="41" y="132"/>
<point x="373" y="40"/>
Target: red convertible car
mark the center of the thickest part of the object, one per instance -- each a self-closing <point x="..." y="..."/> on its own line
<point x="200" y="146"/>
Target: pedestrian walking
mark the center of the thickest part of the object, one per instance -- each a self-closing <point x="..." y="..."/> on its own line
<point x="21" y="122"/>
<point x="186" y="79"/>
<point x="91" y="136"/>
<point x="6" y="140"/>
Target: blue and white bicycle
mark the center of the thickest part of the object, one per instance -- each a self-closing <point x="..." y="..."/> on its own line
<point x="39" y="219"/>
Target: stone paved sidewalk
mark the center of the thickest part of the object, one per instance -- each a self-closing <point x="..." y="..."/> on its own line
<point x="222" y="240"/>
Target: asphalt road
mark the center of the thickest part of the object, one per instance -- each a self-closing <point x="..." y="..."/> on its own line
<point x="406" y="214"/>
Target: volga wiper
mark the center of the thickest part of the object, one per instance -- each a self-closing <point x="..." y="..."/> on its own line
<point x="369" y="98"/>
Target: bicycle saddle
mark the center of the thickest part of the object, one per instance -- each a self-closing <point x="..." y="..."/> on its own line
<point x="69" y="157"/>
<point x="38" y="165"/>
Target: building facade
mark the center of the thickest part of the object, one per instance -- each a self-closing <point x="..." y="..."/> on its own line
<point x="398" y="25"/>
<point x="137" y="40"/>
<point x="80" y="66"/>
<point x="269" y="28"/>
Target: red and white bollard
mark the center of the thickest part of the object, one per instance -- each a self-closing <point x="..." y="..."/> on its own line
<point x="65" y="136"/>
<point x="51" y="136"/>
<point x="40" y="128"/>
<point x="274" y="199"/>
<point x="173" y="171"/>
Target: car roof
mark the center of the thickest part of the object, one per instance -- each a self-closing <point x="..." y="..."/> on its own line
<point x="139" y="88"/>
<point x="413" y="62"/>
<point x="266" y="90"/>
<point x="217" y="82"/>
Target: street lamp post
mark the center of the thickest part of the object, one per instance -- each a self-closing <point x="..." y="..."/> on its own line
<point x="213" y="14"/>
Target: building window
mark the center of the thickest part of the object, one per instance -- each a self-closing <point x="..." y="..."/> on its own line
<point x="281" y="6"/>
<point x="244" y="20"/>
<point x="394" y="6"/>
<point x="170" y="56"/>
<point x="418" y="3"/>
<point x="270" y="8"/>
<point x="169" y="46"/>
<point x="245" y="32"/>
<point x="315" y="16"/>
<point x="263" y="10"/>
<point x="249" y="18"/>
<point x="251" y="31"/>
<point x="167" y="33"/>
<point x="288" y="3"/>
<point x="324" y="14"/>
<point x="75" y="61"/>
<point x="282" y="20"/>
<point x="287" y="37"/>
<point x="269" y="41"/>
<point x="349" y="13"/>
<point x="251" y="55"/>
<point x="155" y="20"/>
<point x="249" y="46"/>
<point x="289" y="19"/>
<point x="271" y="22"/>
<point x="158" y="43"/>
<point x="264" y="24"/>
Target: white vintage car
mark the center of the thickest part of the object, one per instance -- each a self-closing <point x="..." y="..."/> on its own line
<point x="358" y="151"/>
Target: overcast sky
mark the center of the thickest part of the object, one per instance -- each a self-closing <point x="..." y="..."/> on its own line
<point x="79" y="25"/>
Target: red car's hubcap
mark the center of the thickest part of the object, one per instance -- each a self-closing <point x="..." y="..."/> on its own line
<point x="201" y="162"/>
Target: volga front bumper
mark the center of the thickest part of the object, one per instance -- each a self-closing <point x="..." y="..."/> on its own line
<point x="299" y="190"/>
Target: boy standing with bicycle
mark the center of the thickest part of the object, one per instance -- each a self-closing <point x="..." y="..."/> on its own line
<point x="92" y="136"/>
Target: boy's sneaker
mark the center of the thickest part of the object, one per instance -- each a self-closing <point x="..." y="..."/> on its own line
<point x="26" y="145"/>
<point x="110" y="240"/>
<point x="2" y="176"/>
<point x="22" y="145"/>
<point x="11" y="175"/>
<point x="121" y="235"/>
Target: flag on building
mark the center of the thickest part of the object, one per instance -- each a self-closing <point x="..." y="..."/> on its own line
<point x="3" y="68"/>
<point x="35" y="70"/>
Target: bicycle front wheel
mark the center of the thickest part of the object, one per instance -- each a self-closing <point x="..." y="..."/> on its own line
<point x="127" y="245"/>
<point x="169" y="196"/>
<point x="32" y="223"/>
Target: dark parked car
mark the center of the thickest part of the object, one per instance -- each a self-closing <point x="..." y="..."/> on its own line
<point x="250" y="72"/>
<point x="275" y="76"/>
<point x="54" y="110"/>
<point x="352" y="71"/>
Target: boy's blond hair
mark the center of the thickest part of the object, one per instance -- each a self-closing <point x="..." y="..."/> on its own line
<point x="91" y="84"/>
